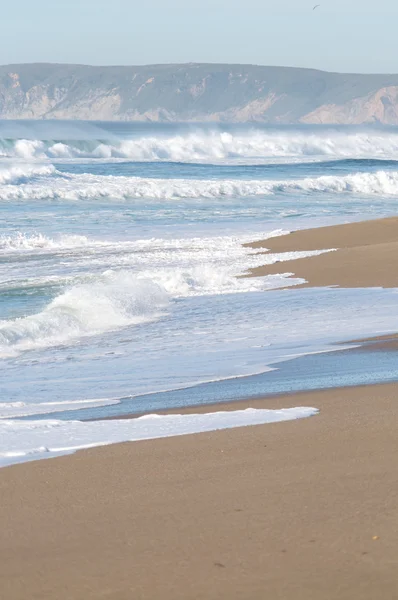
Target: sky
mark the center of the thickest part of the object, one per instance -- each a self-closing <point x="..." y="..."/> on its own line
<point x="340" y="35"/>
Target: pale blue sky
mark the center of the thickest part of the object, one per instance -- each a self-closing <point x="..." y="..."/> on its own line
<point x="341" y="35"/>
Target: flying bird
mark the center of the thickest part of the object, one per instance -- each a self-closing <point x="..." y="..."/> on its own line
<point x="316" y="6"/>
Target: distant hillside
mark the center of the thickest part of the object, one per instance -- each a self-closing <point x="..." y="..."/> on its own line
<point x="196" y="92"/>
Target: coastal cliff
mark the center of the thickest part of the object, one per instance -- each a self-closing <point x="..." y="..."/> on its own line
<point x="196" y="92"/>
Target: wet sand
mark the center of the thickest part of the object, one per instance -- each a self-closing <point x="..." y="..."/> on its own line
<point x="366" y="255"/>
<point x="297" y="510"/>
<point x="379" y="342"/>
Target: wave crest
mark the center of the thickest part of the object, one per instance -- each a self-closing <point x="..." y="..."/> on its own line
<point x="214" y="145"/>
<point x="92" y="187"/>
<point x="23" y="173"/>
<point x="114" y="300"/>
<point x="39" y="241"/>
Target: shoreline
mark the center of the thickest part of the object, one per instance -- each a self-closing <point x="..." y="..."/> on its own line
<point x="383" y="343"/>
<point x="272" y="401"/>
<point x="376" y="344"/>
<point x="288" y="510"/>
<point x="365" y="255"/>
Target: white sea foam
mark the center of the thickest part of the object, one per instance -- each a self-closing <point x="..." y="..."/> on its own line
<point x="21" y="173"/>
<point x="27" y="440"/>
<point x="39" y="241"/>
<point x="91" y="187"/>
<point x="117" y="299"/>
<point x="255" y="144"/>
<point x="12" y="410"/>
<point x="203" y="145"/>
<point x="114" y="300"/>
<point x="213" y="278"/>
<point x="183" y="267"/>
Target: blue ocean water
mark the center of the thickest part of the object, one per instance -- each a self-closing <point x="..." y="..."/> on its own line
<point x="120" y="244"/>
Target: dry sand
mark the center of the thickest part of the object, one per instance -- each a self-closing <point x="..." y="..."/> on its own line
<point x="291" y="511"/>
<point x="366" y="256"/>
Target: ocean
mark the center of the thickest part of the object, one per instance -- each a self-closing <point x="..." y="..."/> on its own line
<point x="120" y="247"/>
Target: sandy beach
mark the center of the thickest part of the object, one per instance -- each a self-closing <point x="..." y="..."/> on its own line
<point x="299" y="510"/>
<point x="366" y="255"/>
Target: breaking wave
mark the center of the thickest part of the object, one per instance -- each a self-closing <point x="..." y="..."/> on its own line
<point x="114" y="300"/>
<point x="38" y="241"/>
<point x="23" y="173"/>
<point x="213" y="145"/>
<point x="92" y="187"/>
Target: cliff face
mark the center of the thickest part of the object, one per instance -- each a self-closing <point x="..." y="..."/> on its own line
<point x="196" y="92"/>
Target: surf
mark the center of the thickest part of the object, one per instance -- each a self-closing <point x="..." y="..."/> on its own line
<point x="111" y="301"/>
<point x="68" y="186"/>
<point x="205" y="145"/>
